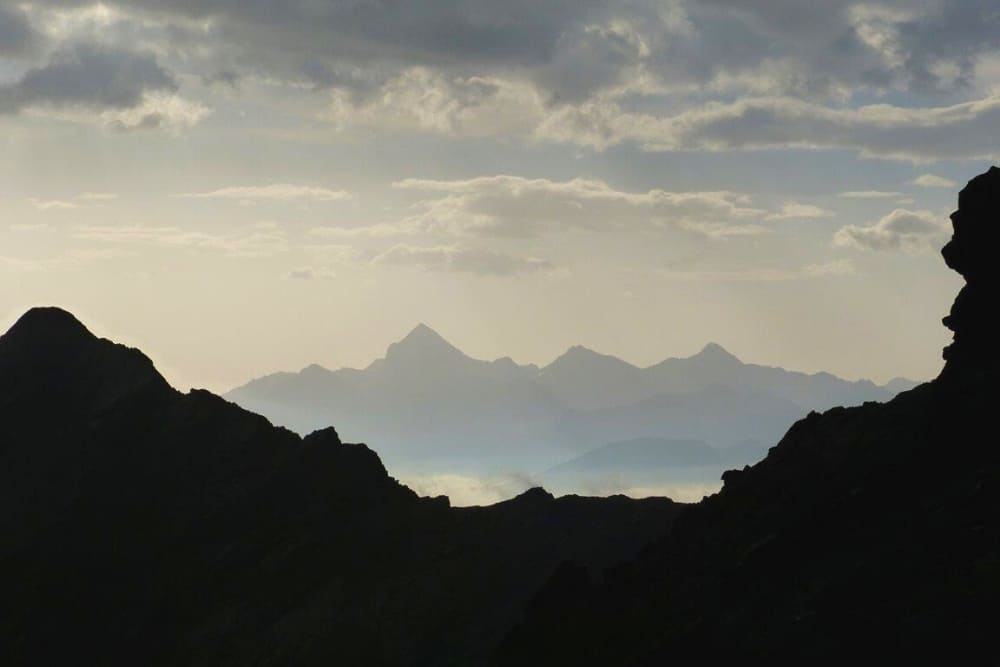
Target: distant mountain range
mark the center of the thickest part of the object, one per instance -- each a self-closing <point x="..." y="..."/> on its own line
<point x="428" y="407"/>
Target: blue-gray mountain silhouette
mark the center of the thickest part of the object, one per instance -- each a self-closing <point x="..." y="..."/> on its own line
<point x="432" y="408"/>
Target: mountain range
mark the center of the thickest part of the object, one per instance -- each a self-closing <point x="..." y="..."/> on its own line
<point x="433" y="409"/>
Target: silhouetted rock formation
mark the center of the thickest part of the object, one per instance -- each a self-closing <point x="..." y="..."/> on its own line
<point x="971" y="252"/>
<point x="868" y="533"/>
<point x="142" y="526"/>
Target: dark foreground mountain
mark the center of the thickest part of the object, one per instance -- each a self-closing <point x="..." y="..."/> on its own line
<point x="868" y="534"/>
<point x="432" y="409"/>
<point x="142" y="526"/>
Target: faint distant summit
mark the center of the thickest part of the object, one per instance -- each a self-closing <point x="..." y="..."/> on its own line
<point x="715" y="353"/>
<point x="422" y="343"/>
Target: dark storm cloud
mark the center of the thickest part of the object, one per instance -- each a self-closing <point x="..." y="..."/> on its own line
<point x="573" y="48"/>
<point x="16" y="34"/>
<point x="875" y="43"/>
<point x="88" y="76"/>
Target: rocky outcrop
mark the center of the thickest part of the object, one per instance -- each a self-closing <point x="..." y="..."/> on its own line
<point x="970" y="253"/>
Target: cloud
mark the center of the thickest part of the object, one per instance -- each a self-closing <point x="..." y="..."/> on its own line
<point x="69" y="259"/>
<point x="17" y="37"/>
<point x="456" y="258"/>
<point x="574" y="50"/>
<point x="97" y="196"/>
<point x="310" y="273"/>
<point x="279" y="192"/>
<point x="869" y="194"/>
<point x="764" y="274"/>
<point x="89" y="76"/>
<point x="881" y="130"/>
<point x="255" y="244"/>
<point x="912" y="231"/>
<point x="53" y="205"/>
<point x="794" y="211"/>
<point x="837" y="267"/>
<point x="420" y="98"/>
<point x="593" y="73"/>
<point x="513" y="206"/>
<point x="157" y="111"/>
<point x="932" y="181"/>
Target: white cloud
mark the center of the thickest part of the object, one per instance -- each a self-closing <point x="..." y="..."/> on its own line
<point x="283" y="192"/>
<point x="837" y="267"/>
<point x="422" y="99"/>
<point x="310" y="273"/>
<point x="158" y="111"/>
<point x="461" y="259"/>
<point x="69" y="259"/>
<point x="912" y="231"/>
<point x="97" y="196"/>
<point x="53" y="205"/>
<point x="255" y="244"/>
<point x="795" y="211"/>
<point x="881" y="130"/>
<point x="512" y="206"/>
<point x="932" y="181"/>
<point x="869" y="194"/>
<point x="334" y="253"/>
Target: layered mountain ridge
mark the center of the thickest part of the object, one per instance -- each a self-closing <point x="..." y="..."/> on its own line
<point x="434" y="409"/>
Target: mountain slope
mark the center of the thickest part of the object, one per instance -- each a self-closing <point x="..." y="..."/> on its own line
<point x="868" y="531"/>
<point x="139" y="525"/>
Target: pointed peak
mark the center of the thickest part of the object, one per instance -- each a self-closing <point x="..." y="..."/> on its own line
<point x="423" y="332"/>
<point x="715" y="352"/>
<point x="424" y="335"/>
<point x="422" y="341"/>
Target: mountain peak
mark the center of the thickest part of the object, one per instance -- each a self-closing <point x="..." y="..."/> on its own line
<point x="49" y="352"/>
<point x="48" y="325"/>
<point x="717" y="353"/>
<point x="578" y="355"/>
<point x="422" y="342"/>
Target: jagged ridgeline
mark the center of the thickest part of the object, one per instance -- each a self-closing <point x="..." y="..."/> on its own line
<point x="869" y="533"/>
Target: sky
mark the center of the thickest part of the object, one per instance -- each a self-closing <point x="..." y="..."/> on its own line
<point x="245" y="187"/>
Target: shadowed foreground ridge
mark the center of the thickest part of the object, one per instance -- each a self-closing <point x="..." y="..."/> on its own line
<point x="142" y="526"/>
<point x="870" y="531"/>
